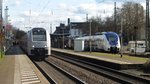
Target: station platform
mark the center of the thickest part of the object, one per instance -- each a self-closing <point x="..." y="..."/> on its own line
<point x="17" y="68"/>
<point x="113" y="60"/>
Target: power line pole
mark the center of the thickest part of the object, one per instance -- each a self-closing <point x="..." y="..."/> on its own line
<point x="1" y="18"/>
<point x="51" y="22"/>
<point x="6" y="20"/>
<point x="115" y="22"/>
<point x="29" y="19"/>
<point x="121" y="51"/>
<point x="6" y="15"/>
<point x="6" y="25"/>
<point x="50" y="28"/>
<point x="90" y="38"/>
<point x="147" y="30"/>
<point x="1" y="29"/>
<point x="89" y="22"/>
<point x="136" y="28"/>
<point x="87" y="17"/>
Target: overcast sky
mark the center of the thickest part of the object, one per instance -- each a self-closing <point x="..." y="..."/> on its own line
<point x="42" y="13"/>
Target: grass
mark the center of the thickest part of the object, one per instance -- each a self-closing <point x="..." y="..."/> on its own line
<point x="117" y="56"/>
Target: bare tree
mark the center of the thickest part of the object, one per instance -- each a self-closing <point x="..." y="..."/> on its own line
<point x="133" y="16"/>
<point x="96" y="24"/>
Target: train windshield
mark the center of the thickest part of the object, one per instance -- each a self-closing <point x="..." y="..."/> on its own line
<point x="112" y="38"/>
<point x="39" y="35"/>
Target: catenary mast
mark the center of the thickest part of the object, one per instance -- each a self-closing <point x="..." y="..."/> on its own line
<point x="147" y="30"/>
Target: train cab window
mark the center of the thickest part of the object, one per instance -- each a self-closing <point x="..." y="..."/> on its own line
<point x="39" y="35"/>
<point x="111" y="37"/>
<point x="141" y="45"/>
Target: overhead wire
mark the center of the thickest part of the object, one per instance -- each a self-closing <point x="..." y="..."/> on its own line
<point x="29" y="3"/>
<point x="54" y="9"/>
<point x="40" y="12"/>
<point x="38" y="5"/>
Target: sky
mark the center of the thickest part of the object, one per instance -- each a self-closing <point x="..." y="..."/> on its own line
<point x="25" y="14"/>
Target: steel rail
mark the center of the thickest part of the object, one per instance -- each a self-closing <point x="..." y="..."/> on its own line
<point x="69" y="75"/>
<point x="108" y="72"/>
<point x="48" y="77"/>
<point x="57" y="68"/>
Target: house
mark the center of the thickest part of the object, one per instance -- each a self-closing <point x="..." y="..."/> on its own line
<point x="65" y="34"/>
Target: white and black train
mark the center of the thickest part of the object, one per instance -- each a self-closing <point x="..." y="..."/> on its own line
<point x="106" y="41"/>
<point x="36" y="42"/>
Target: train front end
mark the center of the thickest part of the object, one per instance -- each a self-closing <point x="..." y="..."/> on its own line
<point x="40" y="42"/>
<point x="113" y="42"/>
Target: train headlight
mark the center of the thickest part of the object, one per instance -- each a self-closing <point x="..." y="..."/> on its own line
<point x="33" y="46"/>
<point x="45" y="46"/>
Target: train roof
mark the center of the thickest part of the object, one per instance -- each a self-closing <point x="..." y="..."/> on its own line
<point x="96" y="36"/>
<point x="101" y="33"/>
<point x="136" y="42"/>
<point x="88" y="37"/>
<point x="35" y="28"/>
<point x="38" y="28"/>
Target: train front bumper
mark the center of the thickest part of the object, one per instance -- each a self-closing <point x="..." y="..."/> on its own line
<point x="114" y="49"/>
<point x="39" y="51"/>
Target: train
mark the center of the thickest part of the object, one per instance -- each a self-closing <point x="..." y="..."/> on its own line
<point x="36" y="42"/>
<point x="104" y="41"/>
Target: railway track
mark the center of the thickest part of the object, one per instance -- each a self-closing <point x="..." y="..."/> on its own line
<point x="107" y="72"/>
<point x="55" y="74"/>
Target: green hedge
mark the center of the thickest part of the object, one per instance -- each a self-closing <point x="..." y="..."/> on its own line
<point x="1" y="54"/>
<point x="146" y="66"/>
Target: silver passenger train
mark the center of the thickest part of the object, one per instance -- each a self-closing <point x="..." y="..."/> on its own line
<point x="106" y="41"/>
<point x="36" y="42"/>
